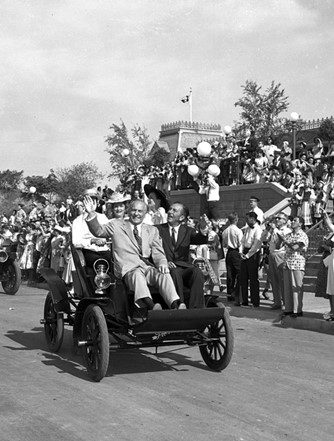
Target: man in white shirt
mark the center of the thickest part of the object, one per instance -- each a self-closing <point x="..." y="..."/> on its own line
<point x="93" y="248"/>
<point x="210" y="188"/>
<point x="250" y="255"/>
<point x="253" y="203"/>
<point x="232" y="237"/>
<point x="270" y="149"/>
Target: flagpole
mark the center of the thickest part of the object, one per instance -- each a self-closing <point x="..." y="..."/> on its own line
<point x="191" y="104"/>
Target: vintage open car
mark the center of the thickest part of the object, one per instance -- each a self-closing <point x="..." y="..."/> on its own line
<point x="10" y="272"/>
<point x="103" y="317"/>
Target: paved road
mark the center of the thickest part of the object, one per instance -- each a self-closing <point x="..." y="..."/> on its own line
<point x="279" y="386"/>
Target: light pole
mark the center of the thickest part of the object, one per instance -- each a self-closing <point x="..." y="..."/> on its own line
<point x="32" y="190"/>
<point x="126" y="153"/>
<point x="294" y="117"/>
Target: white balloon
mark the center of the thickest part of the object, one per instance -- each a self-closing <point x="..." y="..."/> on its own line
<point x="126" y="152"/>
<point x="227" y="130"/>
<point x="32" y="189"/>
<point x="204" y="149"/>
<point x="193" y="170"/>
<point x="214" y="170"/>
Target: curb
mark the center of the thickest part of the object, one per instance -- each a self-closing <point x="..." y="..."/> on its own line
<point x="311" y="321"/>
<point x="309" y="324"/>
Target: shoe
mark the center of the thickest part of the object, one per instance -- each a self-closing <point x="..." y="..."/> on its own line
<point x="328" y="317"/>
<point x="157" y="307"/>
<point x="264" y="294"/>
<point x="244" y="304"/>
<point x="294" y="315"/>
<point x="182" y="306"/>
<point x="255" y="306"/>
<point x="275" y="307"/>
<point x="175" y="304"/>
<point x="237" y="303"/>
<point x="300" y="314"/>
<point x="288" y="313"/>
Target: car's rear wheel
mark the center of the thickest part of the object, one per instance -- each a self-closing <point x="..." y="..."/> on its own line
<point x="96" y="338"/>
<point x="53" y="325"/>
<point x="12" y="276"/>
<point x="217" y="353"/>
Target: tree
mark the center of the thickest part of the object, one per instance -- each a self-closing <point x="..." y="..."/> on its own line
<point x="261" y="111"/>
<point x="157" y="156"/>
<point x="326" y="130"/>
<point x="76" y="179"/>
<point x="46" y="187"/>
<point x="10" y="179"/>
<point x="126" y="150"/>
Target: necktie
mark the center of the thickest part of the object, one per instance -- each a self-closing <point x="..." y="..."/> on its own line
<point x="137" y="237"/>
<point x="173" y="237"/>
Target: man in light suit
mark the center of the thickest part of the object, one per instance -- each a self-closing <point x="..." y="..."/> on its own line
<point x="134" y="246"/>
<point x="176" y="239"/>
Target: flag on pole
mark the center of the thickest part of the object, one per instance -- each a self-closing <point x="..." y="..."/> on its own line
<point x="189" y="99"/>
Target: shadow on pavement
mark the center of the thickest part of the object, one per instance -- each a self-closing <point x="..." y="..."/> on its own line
<point x="121" y="361"/>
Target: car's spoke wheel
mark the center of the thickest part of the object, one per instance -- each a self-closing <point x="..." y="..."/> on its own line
<point x="53" y="325"/>
<point x="217" y="353"/>
<point x="12" y="275"/>
<point x="96" y="349"/>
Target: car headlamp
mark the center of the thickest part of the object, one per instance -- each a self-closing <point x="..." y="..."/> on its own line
<point x="102" y="279"/>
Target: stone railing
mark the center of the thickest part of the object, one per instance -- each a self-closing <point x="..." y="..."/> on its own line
<point x="190" y="125"/>
<point x="314" y="124"/>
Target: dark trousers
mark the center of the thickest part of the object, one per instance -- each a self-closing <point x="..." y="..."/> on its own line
<point x="249" y="272"/>
<point x="233" y="262"/>
<point x="192" y="278"/>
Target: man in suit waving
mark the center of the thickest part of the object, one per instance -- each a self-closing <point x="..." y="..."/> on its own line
<point x="134" y="246"/>
<point x="176" y="240"/>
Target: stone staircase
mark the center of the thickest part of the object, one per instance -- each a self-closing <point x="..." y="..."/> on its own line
<point x="311" y="272"/>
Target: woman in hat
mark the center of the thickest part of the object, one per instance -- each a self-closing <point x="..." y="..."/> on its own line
<point x="117" y="205"/>
<point x="157" y="204"/>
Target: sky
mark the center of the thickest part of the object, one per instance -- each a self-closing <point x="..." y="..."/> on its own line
<point x="71" y="68"/>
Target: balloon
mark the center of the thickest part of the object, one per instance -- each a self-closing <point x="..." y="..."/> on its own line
<point x="32" y="190"/>
<point x="214" y="170"/>
<point x="204" y="149"/>
<point x="193" y="170"/>
<point x="227" y="130"/>
<point x="126" y="152"/>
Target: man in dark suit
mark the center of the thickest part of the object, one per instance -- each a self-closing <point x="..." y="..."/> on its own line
<point x="134" y="246"/>
<point x="176" y="240"/>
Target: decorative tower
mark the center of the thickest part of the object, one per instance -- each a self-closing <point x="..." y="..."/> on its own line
<point x="184" y="134"/>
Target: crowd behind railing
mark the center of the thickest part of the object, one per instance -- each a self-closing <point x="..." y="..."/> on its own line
<point x="309" y="178"/>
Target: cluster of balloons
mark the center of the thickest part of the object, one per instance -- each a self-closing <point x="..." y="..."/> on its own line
<point x="204" y="151"/>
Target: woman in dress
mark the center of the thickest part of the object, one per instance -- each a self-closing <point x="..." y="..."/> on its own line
<point x="158" y="205"/>
<point x="27" y="258"/>
<point x="325" y="281"/>
<point x="57" y="247"/>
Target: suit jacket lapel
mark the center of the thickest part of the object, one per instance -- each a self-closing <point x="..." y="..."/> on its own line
<point x="181" y="235"/>
<point x="129" y="232"/>
<point x="166" y="237"/>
